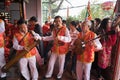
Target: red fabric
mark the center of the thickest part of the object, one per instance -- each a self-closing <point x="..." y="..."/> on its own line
<point x="104" y="56"/>
<point x="45" y="29"/>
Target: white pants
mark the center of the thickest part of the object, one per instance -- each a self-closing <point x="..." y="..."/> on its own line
<point x="2" y="62"/>
<point x="61" y="61"/>
<point x="24" y="62"/>
<point x="83" y="68"/>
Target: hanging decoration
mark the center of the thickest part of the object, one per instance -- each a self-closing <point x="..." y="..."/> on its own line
<point x="107" y="5"/>
<point x="7" y="4"/>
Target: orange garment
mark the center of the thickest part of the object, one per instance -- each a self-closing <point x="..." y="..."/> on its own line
<point x="59" y="46"/>
<point x="88" y="54"/>
<point x="26" y="42"/>
<point x="1" y="40"/>
<point x="45" y="29"/>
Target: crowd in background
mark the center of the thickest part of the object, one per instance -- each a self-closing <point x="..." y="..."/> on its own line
<point x="81" y="42"/>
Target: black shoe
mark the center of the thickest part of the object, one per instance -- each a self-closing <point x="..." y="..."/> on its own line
<point x="45" y="78"/>
<point x="3" y="78"/>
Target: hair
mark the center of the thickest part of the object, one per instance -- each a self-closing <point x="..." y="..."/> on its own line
<point x="88" y="23"/>
<point x="33" y="18"/>
<point x="58" y="17"/>
<point x="104" y="22"/>
<point x="64" y="21"/>
<point x="73" y="23"/>
<point x="20" y="21"/>
<point x="98" y="20"/>
<point x="46" y="22"/>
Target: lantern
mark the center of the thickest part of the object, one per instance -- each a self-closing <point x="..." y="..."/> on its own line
<point x="107" y="5"/>
<point x="7" y="4"/>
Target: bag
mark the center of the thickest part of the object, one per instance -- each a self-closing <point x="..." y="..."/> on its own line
<point x="12" y="53"/>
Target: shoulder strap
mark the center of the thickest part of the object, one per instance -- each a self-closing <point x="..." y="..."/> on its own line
<point x="23" y="38"/>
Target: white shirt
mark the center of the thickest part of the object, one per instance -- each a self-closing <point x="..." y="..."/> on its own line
<point x="66" y="38"/>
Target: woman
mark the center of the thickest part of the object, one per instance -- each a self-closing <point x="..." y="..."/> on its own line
<point x="104" y="56"/>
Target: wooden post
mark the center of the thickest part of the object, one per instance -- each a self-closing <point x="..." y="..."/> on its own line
<point x="116" y="75"/>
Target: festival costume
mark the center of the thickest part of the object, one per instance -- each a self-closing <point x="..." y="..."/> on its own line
<point x="59" y="49"/>
<point x="29" y="58"/>
<point x="85" y="59"/>
<point x="104" y="56"/>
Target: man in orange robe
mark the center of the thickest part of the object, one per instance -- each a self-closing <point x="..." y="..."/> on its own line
<point x="61" y="37"/>
<point x="22" y="40"/>
<point x="86" y="57"/>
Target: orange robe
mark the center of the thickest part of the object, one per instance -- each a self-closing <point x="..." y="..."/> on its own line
<point x="88" y="54"/>
<point x="59" y="47"/>
<point x="27" y="41"/>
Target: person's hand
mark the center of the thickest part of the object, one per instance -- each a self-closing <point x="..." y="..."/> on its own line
<point x="36" y="38"/>
<point x="58" y="37"/>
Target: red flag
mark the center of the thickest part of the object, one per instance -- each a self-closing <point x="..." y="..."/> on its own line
<point x="88" y="13"/>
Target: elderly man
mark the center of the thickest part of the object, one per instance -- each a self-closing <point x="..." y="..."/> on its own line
<point x="85" y="57"/>
<point x="22" y="40"/>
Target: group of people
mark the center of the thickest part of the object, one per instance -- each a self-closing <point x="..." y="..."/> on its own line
<point x="84" y="37"/>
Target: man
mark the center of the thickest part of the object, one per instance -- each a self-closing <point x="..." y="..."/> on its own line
<point x="2" y="57"/>
<point x="85" y="57"/>
<point x="37" y="28"/>
<point x="61" y="37"/>
<point x="73" y="33"/>
<point x="22" y="40"/>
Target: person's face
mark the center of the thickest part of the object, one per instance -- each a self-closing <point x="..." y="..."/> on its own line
<point x="58" y="22"/>
<point x="32" y="23"/>
<point x="71" y="26"/>
<point x="84" y="27"/>
<point x="109" y="24"/>
<point x="95" y="23"/>
<point x="23" y="28"/>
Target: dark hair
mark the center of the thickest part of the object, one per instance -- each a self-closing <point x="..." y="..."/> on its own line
<point x="64" y="21"/>
<point x="33" y="18"/>
<point x="104" y="23"/>
<point x="20" y="21"/>
<point x="58" y="17"/>
<point x="46" y="22"/>
<point x="73" y="23"/>
<point x="98" y="20"/>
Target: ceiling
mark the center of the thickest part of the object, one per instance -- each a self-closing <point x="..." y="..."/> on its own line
<point x="15" y="0"/>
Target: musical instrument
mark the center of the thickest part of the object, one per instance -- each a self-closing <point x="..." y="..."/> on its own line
<point x="80" y="43"/>
<point x="79" y="47"/>
<point x="8" y="65"/>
